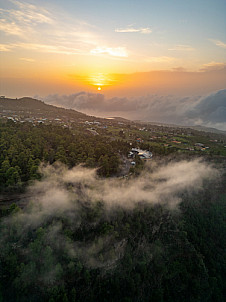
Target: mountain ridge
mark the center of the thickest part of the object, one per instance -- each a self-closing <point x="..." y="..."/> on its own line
<point x="31" y="105"/>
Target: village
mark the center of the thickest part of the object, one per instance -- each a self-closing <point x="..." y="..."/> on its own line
<point x="145" y="139"/>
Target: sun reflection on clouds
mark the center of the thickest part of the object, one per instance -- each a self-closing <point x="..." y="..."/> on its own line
<point x="97" y="81"/>
<point x="100" y="79"/>
<point x="115" y="52"/>
<point x="77" y="47"/>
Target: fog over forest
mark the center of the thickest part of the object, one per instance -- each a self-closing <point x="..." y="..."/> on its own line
<point x="112" y="151"/>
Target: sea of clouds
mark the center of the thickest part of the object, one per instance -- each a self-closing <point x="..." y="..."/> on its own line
<point x="208" y="110"/>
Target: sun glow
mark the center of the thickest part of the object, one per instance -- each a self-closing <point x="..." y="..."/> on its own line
<point x="100" y="80"/>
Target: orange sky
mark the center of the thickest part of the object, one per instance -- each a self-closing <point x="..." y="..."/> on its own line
<point x="155" y="82"/>
<point x="52" y="46"/>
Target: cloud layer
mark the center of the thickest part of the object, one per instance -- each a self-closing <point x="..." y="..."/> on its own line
<point x="32" y="27"/>
<point x="115" y="52"/>
<point x="69" y="194"/>
<point x="62" y="189"/>
<point x="159" y="183"/>
<point x="219" y="43"/>
<point x="208" y="111"/>
<point x="130" y="29"/>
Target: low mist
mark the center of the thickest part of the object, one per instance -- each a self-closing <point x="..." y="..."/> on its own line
<point x="64" y="190"/>
<point x="70" y="196"/>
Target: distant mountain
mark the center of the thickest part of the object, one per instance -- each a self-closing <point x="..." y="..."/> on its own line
<point x="118" y="119"/>
<point x="32" y="106"/>
<point x="198" y="127"/>
<point x="208" y="129"/>
<point x="29" y="107"/>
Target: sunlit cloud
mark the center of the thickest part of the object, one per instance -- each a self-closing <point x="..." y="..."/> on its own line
<point x="101" y="79"/>
<point x="25" y="21"/>
<point x="213" y="66"/>
<point x="50" y="48"/>
<point x="27" y="59"/>
<point x="219" y="43"/>
<point x="30" y="13"/>
<point x="182" y="48"/>
<point x="115" y="52"/>
<point x="179" y="69"/>
<point x="45" y="32"/>
<point x="22" y="20"/>
<point x="5" y="48"/>
<point x="207" y="110"/>
<point x="42" y="48"/>
<point x="11" y="28"/>
<point x="142" y="30"/>
<point x="162" y="59"/>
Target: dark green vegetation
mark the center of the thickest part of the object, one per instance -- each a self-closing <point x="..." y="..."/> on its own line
<point x="24" y="146"/>
<point x="28" y="107"/>
<point x="89" y="252"/>
<point x="145" y="254"/>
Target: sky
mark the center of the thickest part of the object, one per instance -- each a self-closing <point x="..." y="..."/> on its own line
<point x="118" y="48"/>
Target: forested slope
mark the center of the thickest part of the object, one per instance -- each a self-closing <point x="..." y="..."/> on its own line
<point x="157" y="236"/>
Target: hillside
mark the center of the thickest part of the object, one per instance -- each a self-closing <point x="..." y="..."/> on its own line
<point x="32" y="107"/>
<point x="83" y="219"/>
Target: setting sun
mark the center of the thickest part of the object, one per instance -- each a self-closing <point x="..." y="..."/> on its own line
<point x="99" y="80"/>
<point x="112" y="132"/>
